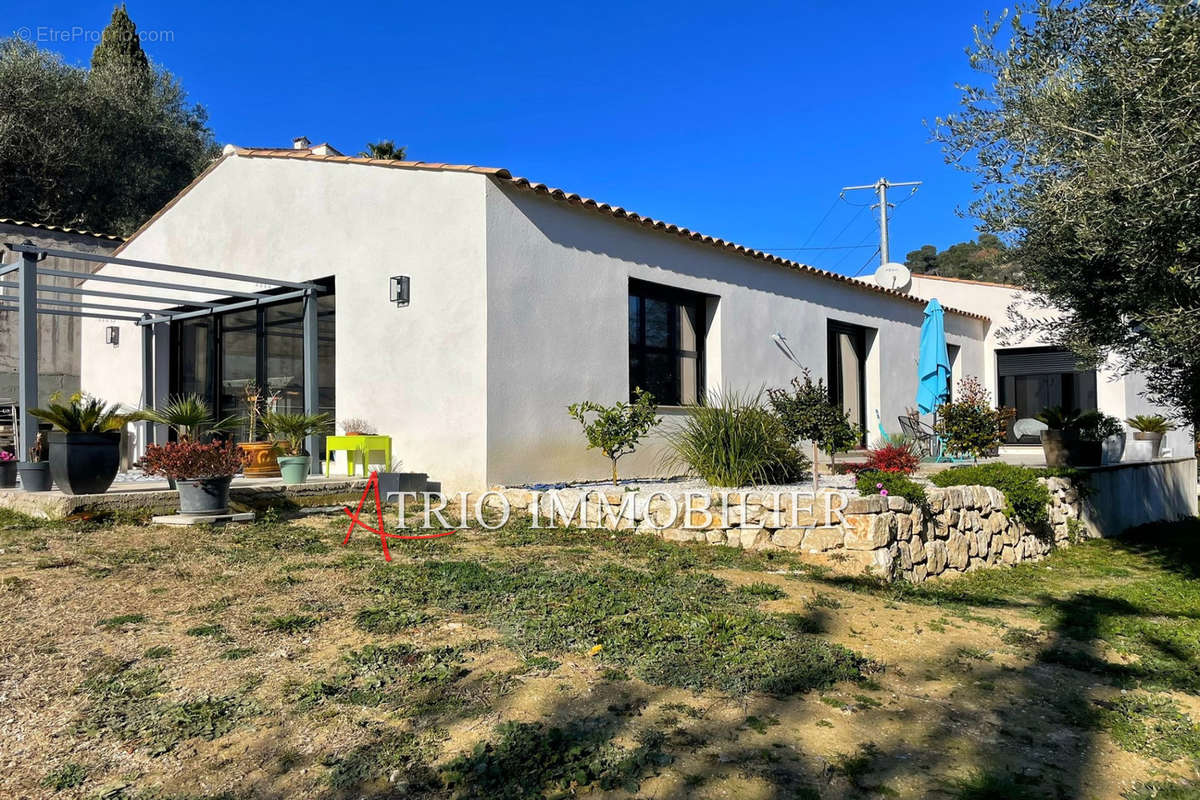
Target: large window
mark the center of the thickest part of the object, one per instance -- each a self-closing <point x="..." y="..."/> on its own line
<point x="847" y="359"/>
<point x="1032" y="378"/>
<point x="218" y="356"/>
<point x="666" y="343"/>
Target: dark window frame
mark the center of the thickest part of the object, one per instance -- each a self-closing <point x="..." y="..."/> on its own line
<point x="834" y="383"/>
<point x="215" y="345"/>
<point x="698" y="303"/>
<point x="1069" y="401"/>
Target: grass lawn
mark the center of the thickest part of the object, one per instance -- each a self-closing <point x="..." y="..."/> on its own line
<point x="267" y="661"/>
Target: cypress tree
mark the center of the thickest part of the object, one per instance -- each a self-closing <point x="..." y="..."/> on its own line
<point x="120" y="50"/>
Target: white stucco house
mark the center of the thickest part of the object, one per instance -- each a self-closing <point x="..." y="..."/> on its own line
<point x="524" y="299"/>
<point x="1029" y="375"/>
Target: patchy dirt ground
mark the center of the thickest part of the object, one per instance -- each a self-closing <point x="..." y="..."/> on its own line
<point x="267" y="661"/>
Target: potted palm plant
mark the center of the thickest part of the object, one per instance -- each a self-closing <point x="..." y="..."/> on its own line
<point x="201" y="471"/>
<point x="85" y="447"/>
<point x="8" y="470"/>
<point x="189" y="416"/>
<point x="1059" y="434"/>
<point x="191" y="419"/>
<point x="35" y="473"/>
<point x="1151" y="428"/>
<point x="290" y="430"/>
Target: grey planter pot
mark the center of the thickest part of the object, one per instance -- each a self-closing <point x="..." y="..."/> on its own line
<point x="35" y="475"/>
<point x="1155" y="440"/>
<point x="84" y="463"/>
<point x="204" y="495"/>
<point x="8" y="474"/>
<point x="294" y="469"/>
<point x="1055" y="446"/>
<point x="1085" y="454"/>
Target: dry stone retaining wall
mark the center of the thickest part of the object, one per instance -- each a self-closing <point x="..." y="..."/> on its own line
<point x="963" y="527"/>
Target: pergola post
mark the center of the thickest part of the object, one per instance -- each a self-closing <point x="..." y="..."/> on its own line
<point x="148" y="397"/>
<point x="27" y="349"/>
<point x="311" y="389"/>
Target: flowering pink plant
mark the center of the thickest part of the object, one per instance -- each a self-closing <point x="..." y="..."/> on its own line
<point x="6" y="456"/>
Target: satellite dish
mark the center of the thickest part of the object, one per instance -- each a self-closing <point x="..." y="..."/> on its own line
<point x="893" y="276"/>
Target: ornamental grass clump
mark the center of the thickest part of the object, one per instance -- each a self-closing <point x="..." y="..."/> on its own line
<point x="734" y="440"/>
<point x="192" y="460"/>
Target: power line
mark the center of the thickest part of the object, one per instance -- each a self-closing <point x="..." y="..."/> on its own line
<point x="846" y="227"/>
<point x="865" y="263"/>
<point x="813" y="232"/>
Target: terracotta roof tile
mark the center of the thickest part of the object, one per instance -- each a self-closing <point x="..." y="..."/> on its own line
<point x="112" y="237"/>
<point x="967" y="280"/>
<point x="525" y="184"/>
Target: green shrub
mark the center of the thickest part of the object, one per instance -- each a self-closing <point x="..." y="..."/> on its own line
<point x="616" y="430"/>
<point x="733" y="440"/>
<point x="873" y="481"/>
<point x="1027" y="499"/>
<point x="969" y="423"/>
<point x="807" y="413"/>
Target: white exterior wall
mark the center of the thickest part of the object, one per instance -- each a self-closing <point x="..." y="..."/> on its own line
<point x="558" y="330"/>
<point x="417" y="372"/>
<point x="1116" y="394"/>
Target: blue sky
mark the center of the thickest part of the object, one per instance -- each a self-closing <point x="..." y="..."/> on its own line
<point x="738" y="120"/>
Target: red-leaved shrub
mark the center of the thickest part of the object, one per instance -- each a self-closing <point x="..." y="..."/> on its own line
<point x="891" y="458"/>
<point x="190" y="460"/>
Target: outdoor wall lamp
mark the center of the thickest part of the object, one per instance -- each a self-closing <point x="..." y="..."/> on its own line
<point x="112" y="335"/>
<point x="399" y="290"/>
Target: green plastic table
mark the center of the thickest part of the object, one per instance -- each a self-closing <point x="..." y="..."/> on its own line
<point x="357" y="444"/>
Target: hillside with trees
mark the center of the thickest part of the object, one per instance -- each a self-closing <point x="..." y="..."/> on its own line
<point x="985" y="259"/>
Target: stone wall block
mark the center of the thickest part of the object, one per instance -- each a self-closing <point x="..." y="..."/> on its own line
<point x="869" y="531"/>
<point x="788" y="538"/>
<point x="866" y="504"/>
<point x="820" y="540"/>
<point x="957" y="551"/>
<point x="916" y="550"/>
<point x="937" y="556"/>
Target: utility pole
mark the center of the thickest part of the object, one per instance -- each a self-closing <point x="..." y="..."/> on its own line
<point x="880" y="187"/>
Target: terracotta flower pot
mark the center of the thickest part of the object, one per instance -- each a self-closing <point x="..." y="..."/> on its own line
<point x="263" y="459"/>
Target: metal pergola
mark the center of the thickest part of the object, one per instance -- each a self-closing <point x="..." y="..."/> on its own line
<point x="30" y="302"/>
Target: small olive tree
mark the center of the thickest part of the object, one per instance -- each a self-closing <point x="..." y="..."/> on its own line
<point x="807" y="413"/>
<point x="616" y="430"/>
